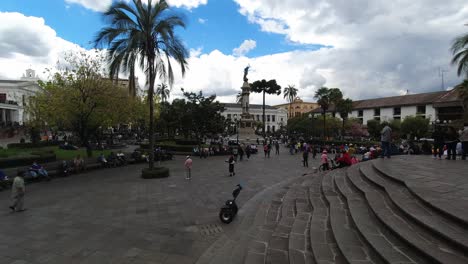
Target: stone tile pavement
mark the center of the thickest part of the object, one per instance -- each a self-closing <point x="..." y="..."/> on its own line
<point x="114" y="216"/>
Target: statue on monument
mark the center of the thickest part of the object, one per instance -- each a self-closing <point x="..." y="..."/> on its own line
<point x="246" y="71"/>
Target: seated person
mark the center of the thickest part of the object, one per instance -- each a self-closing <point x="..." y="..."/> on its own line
<point x="344" y="160"/>
<point x="354" y="160"/>
<point x="3" y="176"/>
<point x="78" y="164"/>
<point x="366" y="156"/>
<point x="65" y="168"/>
<point x="37" y="170"/>
<point x="121" y="158"/>
<point x="102" y="160"/>
<point x="112" y="159"/>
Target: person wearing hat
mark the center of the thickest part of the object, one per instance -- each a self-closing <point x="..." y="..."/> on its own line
<point x="324" y="159"/>
<point x="188" y="168"/>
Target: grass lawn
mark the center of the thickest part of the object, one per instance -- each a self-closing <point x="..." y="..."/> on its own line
<point x="60" y="153"/>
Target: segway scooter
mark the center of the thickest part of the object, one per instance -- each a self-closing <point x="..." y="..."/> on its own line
<point x="229" y="210"/>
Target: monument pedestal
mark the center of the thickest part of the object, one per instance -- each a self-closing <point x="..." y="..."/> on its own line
<point x="247" y="129"/>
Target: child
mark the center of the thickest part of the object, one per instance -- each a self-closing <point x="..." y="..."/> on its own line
<point x="324" y="159"/>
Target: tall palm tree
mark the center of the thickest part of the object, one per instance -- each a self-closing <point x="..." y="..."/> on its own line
<point x="460" y="54"/>
<point x="323" y="99"/>
<point x="143" y="34"/>
<point x="290" y="93"/>
<point x="335" y="96"/>
<point x="265" y="87"/>
<point x="344" y="107"/>
<point x="163" y="91"/>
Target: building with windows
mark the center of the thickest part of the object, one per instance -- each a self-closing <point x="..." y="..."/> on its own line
<point x="443" y="105"/>
<point x="275" y="118"/>
<point x="298" y="107"/>
<point x="13" y="97"/>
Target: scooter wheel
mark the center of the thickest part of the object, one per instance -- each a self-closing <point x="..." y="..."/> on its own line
<point x="226" y="216"/>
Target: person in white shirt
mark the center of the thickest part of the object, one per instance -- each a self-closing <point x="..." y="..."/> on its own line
<point x="17" y="193"/>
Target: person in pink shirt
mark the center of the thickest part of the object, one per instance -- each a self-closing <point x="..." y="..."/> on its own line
<point x="188" y="168"/>
<point x="324" y="159"/>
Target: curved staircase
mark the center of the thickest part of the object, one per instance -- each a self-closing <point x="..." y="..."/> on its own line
<point x="383" y="211"/>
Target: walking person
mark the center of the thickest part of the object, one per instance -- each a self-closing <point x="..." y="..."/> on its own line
<point x="386" y="138"/>
<point x="231" y="163"/>
<point x="247" y="151"/>
<point x="451" y="142"/>
<point x="265" y="149"/>
<point x="188" y="168"/>
<point x="17" y="193"/>
<point x="438" y="137"/>
<point x="241" y="153"/>
<point x="269" y="149"/>
<point x="277" y="146"/>
<point x="314" y="152"/>
<point x="305" y="157"/>
<point x="464" y="141"/>
<point x="235" y="152"/>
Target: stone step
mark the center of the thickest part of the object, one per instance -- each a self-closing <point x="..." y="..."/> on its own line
<point x="323" y="244"/>
<point x="300" y="251"/>
<point x="435" y="249"/>
<point x="387" y="246"/>
<point x="417" y="211"/>
<point x="346" y="236"/>
<point x="446" y="207"/>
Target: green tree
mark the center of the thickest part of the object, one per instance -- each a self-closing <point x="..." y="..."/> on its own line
<point x="374" y="128"/>
<point x="344" y="107"/>
<point x="325" y="97"/>
<point x="144" y="34"/>
<point x="205" y="114"/>
<point x="265" y="87"/>
<point x="79" y="99"/>
<point x="290" y="93"/>
<point x="415" y="126"/>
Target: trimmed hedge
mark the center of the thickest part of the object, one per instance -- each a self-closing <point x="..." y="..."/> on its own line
<point x="145" y="147"/>
<point x="186" y="142"/>
<point x="19" y="161"/>
<point x="31" y="145"/>
<point x="155" y="173"/>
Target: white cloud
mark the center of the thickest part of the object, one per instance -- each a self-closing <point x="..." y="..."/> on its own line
<point x="245" y="47"/>
<point x="377" y="47"/>
<point x="102" y="5"/>
<point x="28" y="42"/>
<point x="188" y="4"/>
<point x="202" y="21"/>
<point x="95" y="5"/>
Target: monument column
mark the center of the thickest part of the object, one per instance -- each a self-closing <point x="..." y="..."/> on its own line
<point x="247" y="127"/>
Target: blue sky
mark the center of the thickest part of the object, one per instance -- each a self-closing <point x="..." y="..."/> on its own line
<point x="217" y="25"/>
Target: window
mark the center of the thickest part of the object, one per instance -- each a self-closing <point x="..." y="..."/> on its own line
<point x="397" y="111"/>
<point x="397" y="117"/>
<point x="228" y="116"/>
<point x="377" y="112"/>
<point x="268" y="128"/>
<point x="281" y="119"/>
<point x="268" y="118"/>
<point x="360" y="113"/>
<point x="273" y="128"/>
<point x="421" y="110"/>
<point x="2" y="98"/>
<point x="258" y="117"/>
<point x="273" y="118"/>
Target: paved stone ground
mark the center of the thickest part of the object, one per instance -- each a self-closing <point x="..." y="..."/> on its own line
<point x="114" y="216"/>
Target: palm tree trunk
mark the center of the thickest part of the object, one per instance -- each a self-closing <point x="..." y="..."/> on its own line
<point x="151" y="114"/>
<point x="342" y="129"/>
<point x="263" y="116"/>
<point x="324" y="127"/>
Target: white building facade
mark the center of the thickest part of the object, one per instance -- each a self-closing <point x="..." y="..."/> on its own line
<point x="274" y="118"/>
<point x="14" y="95"/>
<point x="397" y="107"/>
